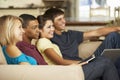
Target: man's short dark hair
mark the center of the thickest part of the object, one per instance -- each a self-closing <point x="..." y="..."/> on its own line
<point x="53" y="12"/>
<point x="26" y="18"/>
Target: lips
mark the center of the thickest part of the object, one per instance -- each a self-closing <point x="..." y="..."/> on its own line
<point x="51" y="33"/>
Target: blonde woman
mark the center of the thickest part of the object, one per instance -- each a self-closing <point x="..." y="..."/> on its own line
<point x="10" y="33"/>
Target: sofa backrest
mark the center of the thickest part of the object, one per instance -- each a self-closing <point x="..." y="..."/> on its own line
<point x="2" y="58"/>
<point x="87" y="48"/>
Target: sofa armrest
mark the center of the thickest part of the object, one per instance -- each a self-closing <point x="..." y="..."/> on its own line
<point x="28" y="72"/>
<point x="87" y="48"/>
<point x="2" y="58"/>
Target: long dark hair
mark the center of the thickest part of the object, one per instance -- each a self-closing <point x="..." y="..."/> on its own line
<point x="42" y="20"/>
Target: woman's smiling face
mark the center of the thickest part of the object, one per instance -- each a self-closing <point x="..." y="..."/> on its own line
<point x="48" y="30"/>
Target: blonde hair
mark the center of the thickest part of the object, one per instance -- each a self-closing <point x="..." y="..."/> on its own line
<point x="7" y="23"/>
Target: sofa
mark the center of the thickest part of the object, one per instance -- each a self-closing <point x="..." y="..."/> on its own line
<point x="47" y="72"/>
<point x="87" y="48"/>
<point x="28" y="72"/>
<point x="39" y="72"/>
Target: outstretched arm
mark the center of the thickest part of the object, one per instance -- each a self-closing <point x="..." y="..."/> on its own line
<point x="99" y="32"/>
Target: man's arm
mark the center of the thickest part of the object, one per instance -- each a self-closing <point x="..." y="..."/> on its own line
<point x="99" y="32"/>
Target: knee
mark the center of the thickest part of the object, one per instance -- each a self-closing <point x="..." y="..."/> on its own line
<point x="113" y="35"/>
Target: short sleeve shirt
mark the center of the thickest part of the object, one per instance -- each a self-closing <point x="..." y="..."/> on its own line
<point x="43" y="44"/>
<point x="68" y="43"/>
<point x="19" y="59"/>
<point x="31" y="50"/>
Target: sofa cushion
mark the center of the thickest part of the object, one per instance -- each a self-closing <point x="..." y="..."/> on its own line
<point x="87" y="48"/>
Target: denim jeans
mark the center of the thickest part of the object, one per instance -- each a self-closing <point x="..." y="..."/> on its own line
<point x="112" y="41"/>
<point x="100" y="69"/>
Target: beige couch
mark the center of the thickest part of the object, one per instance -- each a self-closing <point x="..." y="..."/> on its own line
<point x="87" y="48"/>
<point x="25" y="72"/>
<point x="41" y="72"/>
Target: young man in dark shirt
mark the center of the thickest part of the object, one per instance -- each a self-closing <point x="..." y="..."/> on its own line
<point x="30" y="26"/>
<point x="68" y="42"/>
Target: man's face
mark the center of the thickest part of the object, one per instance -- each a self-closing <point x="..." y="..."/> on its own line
<point x="59" y="22"/>
<point x="32" y="30"/>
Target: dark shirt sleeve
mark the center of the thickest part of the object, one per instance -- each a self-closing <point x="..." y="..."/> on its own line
<point x="78" y="35"/>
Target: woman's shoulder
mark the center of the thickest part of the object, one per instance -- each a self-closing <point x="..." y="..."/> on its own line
<point x="44" y="41"/>
<point x="13" y="51"/>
